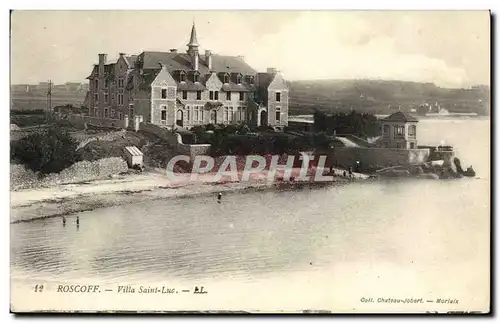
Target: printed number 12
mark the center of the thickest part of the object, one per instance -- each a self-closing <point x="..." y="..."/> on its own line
<point x="38" y="288"/>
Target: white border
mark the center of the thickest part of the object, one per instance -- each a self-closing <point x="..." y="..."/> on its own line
<point x="192" y="5"/>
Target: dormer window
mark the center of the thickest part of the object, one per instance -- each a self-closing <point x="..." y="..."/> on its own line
<point x="238" y="79"/>
<point x="226" y="78"/>
<point x="249" y="79"/>
<point x="182" y="76"/>
<point x="196" y="77"/>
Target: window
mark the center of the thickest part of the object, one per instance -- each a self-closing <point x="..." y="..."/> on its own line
<point x="163" y="93"/>
<point x="195" y="113"/>
<point x="184" y="95"/>
<point x="105" y="113"/>
<point x="226" y="113"/>
<point x="113" y="97"/>
<point x="182" y="77"/>
<point x="120" y="83"/>
<point x="196" y="77"/>
<point x="242" y="96"/>
<point x="163" y="113"/>
<point x="188" y="113"/>
<point x="131" y="111"/>
<point x="278" y="114"/>
<point x="120" y="99"/>
<point x="113" y="113"/>
<point x="278" y="96"/>
<point x="106" y="84"/>
<point x="242" y="114"/>
<point x="211" y="95"/>
<point x="226" y="78"/>
<point x="202" y="115"/>
<point x="96" y="112"/>
<point x="231" y="114"/>
<point x="412" y="130"/>
<point x="120" y="115"/>
<point x="96" y="97"/>
<point x="96" y="85"/>
<point x="387" y="129"/>
<point x="106" y="98"/>
<point x="250" y="79"/>
<point x="238" y="79"/>
<point x="216" y="95"/>
<point x="198" y="95"/>
<point x="228" y="96"/>
<point x="399" y="130"/>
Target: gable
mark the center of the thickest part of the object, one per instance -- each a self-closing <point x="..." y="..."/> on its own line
<point x="121" y="66"/>
<point x="213" y="82"/>
<point x="278" y="83"/>
<point x="163" y="78"/>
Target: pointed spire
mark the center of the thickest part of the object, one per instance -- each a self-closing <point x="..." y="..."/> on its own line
<point x="193" y="41"/>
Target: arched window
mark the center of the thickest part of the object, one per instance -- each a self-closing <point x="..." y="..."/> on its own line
<point x="387" y="129"/>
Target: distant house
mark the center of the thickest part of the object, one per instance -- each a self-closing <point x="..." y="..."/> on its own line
<point x="399" y="130"/>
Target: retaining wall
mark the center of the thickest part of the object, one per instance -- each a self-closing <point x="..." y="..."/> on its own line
<point x="377" y="157"/>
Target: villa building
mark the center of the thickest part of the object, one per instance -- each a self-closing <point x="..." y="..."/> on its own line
<point x="173" y="89"/>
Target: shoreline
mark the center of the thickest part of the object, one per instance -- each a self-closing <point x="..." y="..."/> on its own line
<point x="67" y="199"/>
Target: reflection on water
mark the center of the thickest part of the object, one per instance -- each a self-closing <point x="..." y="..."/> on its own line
<point x="250" y="234"/>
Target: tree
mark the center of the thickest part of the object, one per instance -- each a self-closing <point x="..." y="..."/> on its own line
<point x="47" y="151"/>
<point x="320" y="121"/>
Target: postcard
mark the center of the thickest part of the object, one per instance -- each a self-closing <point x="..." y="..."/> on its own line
<point x="250" y="162"/>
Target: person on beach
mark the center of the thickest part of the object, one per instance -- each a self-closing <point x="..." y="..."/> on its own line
<point x="77" y="220"/>
<point x="64" y="220"/>
<point x="219" y="197"/>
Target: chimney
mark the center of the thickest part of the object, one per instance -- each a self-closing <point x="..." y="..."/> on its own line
<point x="271" y="70"/>
<point x="173" y="50"/>
<point x="208" y="59"/>
<point x="122" y="54"/>
<point x="102" y="61"/>
<point x="241" y="57"/>
<point x="195" y="61"/>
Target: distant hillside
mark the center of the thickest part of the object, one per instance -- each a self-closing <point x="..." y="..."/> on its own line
<point x="21" y="100"/>
<point x="374" y="96"/>
<point x="382" y="97"/>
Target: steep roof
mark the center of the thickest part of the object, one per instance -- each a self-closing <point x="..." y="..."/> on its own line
<point x="182" y="61"/>
<point x="400" y="117"/>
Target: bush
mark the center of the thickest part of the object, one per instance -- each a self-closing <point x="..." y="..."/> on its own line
<point x="47" y="151"/>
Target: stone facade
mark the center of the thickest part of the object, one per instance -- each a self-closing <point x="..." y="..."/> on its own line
<point x="399" y="131"/>
<point x="173" y="89"/>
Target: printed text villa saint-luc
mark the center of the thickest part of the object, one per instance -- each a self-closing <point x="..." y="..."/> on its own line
<point x="125" y="289"/>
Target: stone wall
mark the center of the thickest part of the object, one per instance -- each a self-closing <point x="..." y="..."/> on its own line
<point x="80" y="121"/>
<point x="377" y="157"/>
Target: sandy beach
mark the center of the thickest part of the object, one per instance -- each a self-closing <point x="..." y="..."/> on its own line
<point x="65" y="199"/>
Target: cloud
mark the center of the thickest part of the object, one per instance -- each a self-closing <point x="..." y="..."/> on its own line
<point x="319" y="45"/>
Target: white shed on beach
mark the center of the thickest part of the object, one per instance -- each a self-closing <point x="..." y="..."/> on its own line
<point x="133" y="156"/>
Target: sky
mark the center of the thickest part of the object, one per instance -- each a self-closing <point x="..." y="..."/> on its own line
<point x="448" y="48"/>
